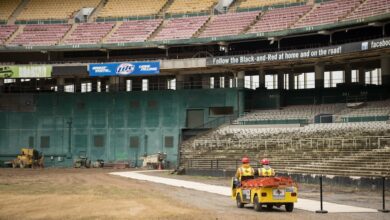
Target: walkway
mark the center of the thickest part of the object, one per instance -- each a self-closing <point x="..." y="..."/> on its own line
<point x="304" y="204"/>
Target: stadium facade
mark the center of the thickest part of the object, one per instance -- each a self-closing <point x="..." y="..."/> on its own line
<point x="78" y="90"/>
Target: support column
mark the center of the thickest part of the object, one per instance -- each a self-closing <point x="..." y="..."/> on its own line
<point x="348" y="74"/>
<point x="122" y="84"/>
<point x="385" y="69"/>
<point x="261" y="78"/>
<point x="240" y="79"/>
<point x="136" y="83"/>
<point x="234" y="80"/>
<point x="227" y="81"/>
<point x="179" y="82"/>
<point x="280" y="81"/>
<point x="1" y="85"/>
<point x="362" y="75"/>
<point x="161" y="84"/>
<point x="94" y="84"/>
<point x="291" y="82"/>
<point x="114" y="83"/>
<point x="77" y="85"/>
<point x="319" y="70"/>
<point x="217" y="82"/>
<point x="205" y="81"/>
<point x="60" y="84"/>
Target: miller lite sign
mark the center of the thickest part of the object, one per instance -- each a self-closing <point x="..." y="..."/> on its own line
<point x="124" y="69"/>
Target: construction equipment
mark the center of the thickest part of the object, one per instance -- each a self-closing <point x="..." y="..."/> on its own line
<point x="98" y="163"/>
<point x="154" y="161"/>
<point x="29" y="158"/>
<point x="82" y="160"/>
<point x="265" y="191"/>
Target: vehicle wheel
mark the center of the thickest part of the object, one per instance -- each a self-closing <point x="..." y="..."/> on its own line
<point x="256" y="204"/>
<point x="289" y="207"/>
<point x="238" y="201"/>
<point x="270" y="207"/>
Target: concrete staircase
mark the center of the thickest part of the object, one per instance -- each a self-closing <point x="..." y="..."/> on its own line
<point x="161" y="13"/>
<point x="157" y="31"/>
<point x="305" y="15"/>
<point x="16" y="33"/>
<point x="67" y="34"/>
<point x="362" y="4"/>
<point x="116" y="26"/>
<point x="96" y="11"/>
<point x="254" y="22"/>
<point x="203" y="27"/>
<point x="16" y="13"/>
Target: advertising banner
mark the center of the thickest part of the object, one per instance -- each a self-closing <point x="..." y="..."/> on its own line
<point x="28" y="71"/>
<point x="124" y="69"/>
<point x="299" y="54"/>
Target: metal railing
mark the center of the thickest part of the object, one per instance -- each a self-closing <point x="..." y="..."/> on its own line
<point x="217" y="122"/>
<point x="363" y="142"/>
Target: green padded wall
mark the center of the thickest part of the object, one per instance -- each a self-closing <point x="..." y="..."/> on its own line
<point x="102" y="124"/>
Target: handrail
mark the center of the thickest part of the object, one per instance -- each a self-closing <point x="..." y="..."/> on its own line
<point x="219" y="121"/>
<point x="289" y="143"/>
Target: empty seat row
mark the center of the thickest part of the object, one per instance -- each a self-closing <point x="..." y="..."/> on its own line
<point x="41" y="35"/>
<point x="370" y="8"/>
<point x="191" y="6"/>
<point x="262" y="3"/>
<point x="180" y="28"/>
<point x="229" y="24"/>
<point x="134" y="31"/>
<point x="131" y="8"/>
<point x="49" y="9"/>
<point x="328" y="12"/>
<point x="89" y="33"/>
<point x="7" y="7"/>
<point x="279" y="19"/>
<point x="6" y="31"/>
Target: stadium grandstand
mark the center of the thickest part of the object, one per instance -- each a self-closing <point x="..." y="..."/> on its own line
<point x="305" y="83"/>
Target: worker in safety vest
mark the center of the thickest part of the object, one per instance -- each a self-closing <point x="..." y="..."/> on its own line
<point x="245" y="171"/>
<point x="266" y="170"/>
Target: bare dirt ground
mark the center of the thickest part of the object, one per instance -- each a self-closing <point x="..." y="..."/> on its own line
<point x="94" y="194"/>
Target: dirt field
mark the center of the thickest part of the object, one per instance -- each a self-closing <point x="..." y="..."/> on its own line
<point x="94" y="194"/>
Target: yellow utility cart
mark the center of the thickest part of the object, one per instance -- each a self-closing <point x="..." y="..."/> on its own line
<point x="265" y="191"/>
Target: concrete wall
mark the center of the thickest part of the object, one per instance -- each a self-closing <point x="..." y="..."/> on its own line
<point x="112" y="117"/>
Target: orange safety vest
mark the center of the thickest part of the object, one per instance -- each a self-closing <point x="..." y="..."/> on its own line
<point x="266" y="171"/>
<point x="245" y="171"/>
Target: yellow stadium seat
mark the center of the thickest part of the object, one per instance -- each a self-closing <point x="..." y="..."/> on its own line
<point x="53" y="9"/>
<point x="191" y="6"/>
<point x="7" y="7"/>
<point x="131" y="8"/>
<point x="262" y="3"/>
